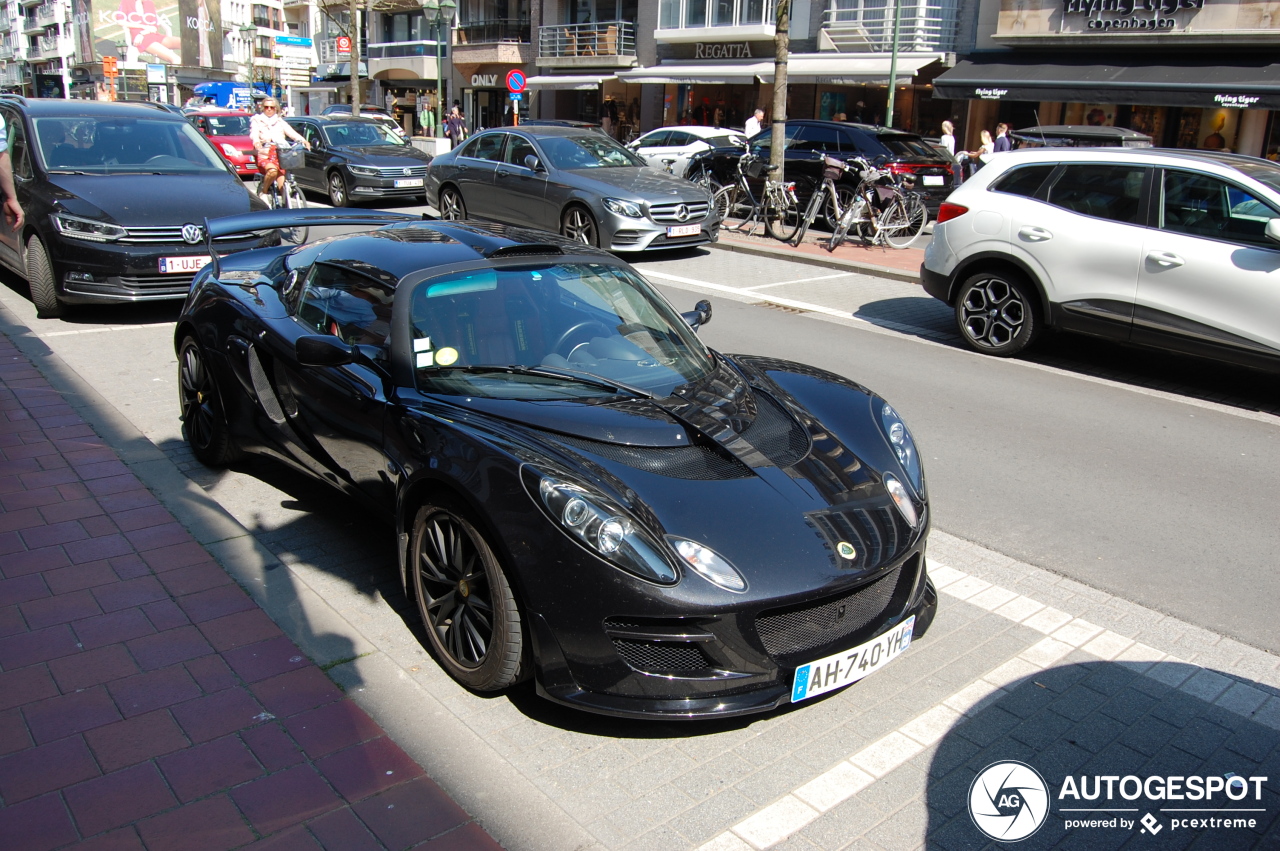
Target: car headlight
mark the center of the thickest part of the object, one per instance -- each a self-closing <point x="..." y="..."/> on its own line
<point x="230" y="150"/>
<point x="363" y="170"/>
<point x="623" y="208"/>
<point x="904" y="446"/>
<point x="602" y="526"/>
<point x="709" y="564"/>
<point x="902" y="499"/>
<point x="93" y="231"/>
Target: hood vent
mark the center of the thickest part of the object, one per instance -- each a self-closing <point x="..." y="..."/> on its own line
<point x="776" y="434"/>
<point x="699" y="463"/>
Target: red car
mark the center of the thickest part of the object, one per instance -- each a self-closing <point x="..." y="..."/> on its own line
<point x="228" y="130"/>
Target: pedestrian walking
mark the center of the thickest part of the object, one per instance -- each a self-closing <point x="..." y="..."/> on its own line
<point x="1002" y="142"/>
<point x="455" y="127"/>
<point x="754" y="123"/>
<point x="949" y="137"/>
<point x="12" y="209"/>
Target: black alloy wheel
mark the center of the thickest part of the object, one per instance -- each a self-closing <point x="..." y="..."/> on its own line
<point x="578" y="224"/>
<point x="466" y="603"/>
<point x="452" y="207"/>
<point x="337" y="185"/>
<point x="40" y="279"/>
<point x="203" y="423"/>
<point x="997" y="314"/>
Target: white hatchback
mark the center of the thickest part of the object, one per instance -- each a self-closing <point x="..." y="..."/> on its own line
<point x="679" y="144"/>
<point x="1175" y="249"/>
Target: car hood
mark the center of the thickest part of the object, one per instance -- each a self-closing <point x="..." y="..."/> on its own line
<point x="775" y="467"/>
<point x="241" y="142"/>
<point x="647" y="184"/>
<point x="146" y="200"/>
<point x="385" y="155"/>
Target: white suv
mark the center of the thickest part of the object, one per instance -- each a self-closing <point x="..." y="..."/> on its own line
<point x="1176" y="249"/>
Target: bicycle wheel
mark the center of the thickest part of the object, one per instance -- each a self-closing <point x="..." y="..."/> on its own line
<point x="727" y="201"/>
<point x="851" y="214"/>
<point x="781" y="214"/>
<point x="293" y="199"/>
<point x="810" y="213"/>
<point x="908" y="220"/>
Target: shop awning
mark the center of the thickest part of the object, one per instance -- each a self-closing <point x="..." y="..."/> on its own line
<point x="568" y="82"/>
<point x="848" y="69"/>
<point x="1237" y="80"/>
<point x="744" y="72"/>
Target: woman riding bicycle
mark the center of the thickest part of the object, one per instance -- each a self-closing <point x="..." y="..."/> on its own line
<point x="268" y="129"/>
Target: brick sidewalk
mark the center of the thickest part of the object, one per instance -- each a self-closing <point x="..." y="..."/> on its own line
<point x="899" y="263"/>
<point x="146" y="701"/>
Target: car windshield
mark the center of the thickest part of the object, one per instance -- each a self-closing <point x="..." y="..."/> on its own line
<point x="585" y="324"/>
<point x="590" y="150"/>
<point x="726" y="141"/>
<point x="362" y="134"/>
<point x="902" y="145"/>
<point x="228" y="125"/>
<point x="167" y="145"/>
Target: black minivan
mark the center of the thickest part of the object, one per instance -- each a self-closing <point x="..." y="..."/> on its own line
<point x="809" y="141"/>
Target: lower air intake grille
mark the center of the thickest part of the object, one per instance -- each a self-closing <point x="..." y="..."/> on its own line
<point x="661" y="657"/>
<point x="797" y="630"/>
<point x="679" y="462"/>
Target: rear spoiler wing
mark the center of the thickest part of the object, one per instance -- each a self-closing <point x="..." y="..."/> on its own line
<point x="279" y="219"/>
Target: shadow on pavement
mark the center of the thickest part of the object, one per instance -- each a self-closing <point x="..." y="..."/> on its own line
<point x="1075" y="723"/>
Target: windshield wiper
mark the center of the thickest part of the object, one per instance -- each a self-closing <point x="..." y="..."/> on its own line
<point x="580" y="377"/>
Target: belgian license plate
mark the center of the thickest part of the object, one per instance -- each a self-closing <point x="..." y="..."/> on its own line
<point x="933" y="180"/>
<point x="850" y="666"/>
<point x="178" y="265"/>
<point x="684" y="230"/>
<point x="408" y="181"/>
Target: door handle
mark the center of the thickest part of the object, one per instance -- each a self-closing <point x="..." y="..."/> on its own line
<point x="1035" y="234"/>
<point x="1166" y="259"/>
<point x="503" y="173"/>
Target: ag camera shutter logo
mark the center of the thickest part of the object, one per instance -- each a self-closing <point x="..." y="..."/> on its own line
<point x="1008" y="801"/>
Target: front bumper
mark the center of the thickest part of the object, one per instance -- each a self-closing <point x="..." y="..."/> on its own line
<point x="627" y="666"/>
<point x="103" y="272"/>
<point x="361" y="186"/>
<point x="622" y="233"/>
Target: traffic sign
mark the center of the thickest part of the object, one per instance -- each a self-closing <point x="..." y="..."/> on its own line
<point x="517" y="95"/>
<point x="109" y="66"/>
<point x="515" y="81"/>
<point x="343" y="43"/>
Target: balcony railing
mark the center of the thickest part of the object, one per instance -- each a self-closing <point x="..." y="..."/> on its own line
<point x="396" y="49"/>
<point x="517" y="30"/>
<point x="609" y="38"/>
<point x="11" y="76"/>
<point x="50" y="13"/>
<point x="861" y="25"/>
<point x="31" y="25"/>
<point x="6" y="51"/>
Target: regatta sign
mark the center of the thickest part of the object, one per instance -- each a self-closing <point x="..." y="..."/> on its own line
<point x="720" y="50"/>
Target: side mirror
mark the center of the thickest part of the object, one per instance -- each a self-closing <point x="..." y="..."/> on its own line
<point x="532" y="162"/>
<point x="1273" y="230"/>
<point x="699" y="316"/>
<point x="323" y="350"/>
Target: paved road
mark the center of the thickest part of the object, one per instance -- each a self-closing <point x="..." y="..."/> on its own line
<point x="1022" y="662"/>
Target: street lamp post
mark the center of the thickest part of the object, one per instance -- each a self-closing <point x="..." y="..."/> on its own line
<point x="438" y="13"/>
<point x="122" y="49"/>
<point x="250" y="34"/>
<point x="893" y="62"/>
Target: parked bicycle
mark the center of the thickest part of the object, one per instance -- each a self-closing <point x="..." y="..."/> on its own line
<point x="830" y="197"/>
<point x="291" y="197"/>
<point x="884" y="212"/>
<point x="777" y="209"/>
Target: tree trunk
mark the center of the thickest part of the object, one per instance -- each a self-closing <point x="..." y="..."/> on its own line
<point x="354" y="29"/>
<point x="781" y="48"/>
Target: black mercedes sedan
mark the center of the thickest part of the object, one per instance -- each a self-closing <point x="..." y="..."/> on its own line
<point x="808" y="142"/>
<point x="114" y="194"/>
<point x="582" y="492"/>
<point x="354" y="158"/>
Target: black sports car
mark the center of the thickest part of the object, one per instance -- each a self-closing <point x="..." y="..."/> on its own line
<point x="583" y="492"/>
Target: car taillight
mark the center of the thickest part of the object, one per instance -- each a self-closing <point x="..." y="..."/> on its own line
<point x="901" y="168"/>
<point x="947" y="212"/>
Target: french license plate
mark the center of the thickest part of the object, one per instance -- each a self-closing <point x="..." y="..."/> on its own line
<point x="408" y="181"/>
<point x="933" y="180"/>
<point x="850" y="666"/>
<point x="684" y="230"/>
<point x="177" y="265"/>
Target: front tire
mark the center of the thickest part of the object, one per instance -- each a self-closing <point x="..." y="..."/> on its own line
<point x="295" y="200"/>
<point x="337" y="185"/>
<point x="466" y="603"/>
<point x="204" y="425"/>
<point x="997" y="314"/>
<point x="44" y="289"/>
<point x="578" y="224"/>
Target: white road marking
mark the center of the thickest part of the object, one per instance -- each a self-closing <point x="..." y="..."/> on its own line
<point x="99" y="329"/>
<point x="785" y="302"/>
<point x="800" y="281"/>
<point x="1063" y="635"/>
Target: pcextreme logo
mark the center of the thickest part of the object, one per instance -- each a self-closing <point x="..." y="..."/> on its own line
<point x="1010" y="801"/>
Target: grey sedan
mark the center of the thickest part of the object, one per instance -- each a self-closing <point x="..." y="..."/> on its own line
<point x="582" y="184"/>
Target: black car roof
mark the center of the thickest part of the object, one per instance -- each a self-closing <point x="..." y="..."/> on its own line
<point x="337" y="118"/>
<point x="89" y="108"/>
<point x="540" y="131"/>
<point x="873" y="129"/>
<point x="394" y="253"/>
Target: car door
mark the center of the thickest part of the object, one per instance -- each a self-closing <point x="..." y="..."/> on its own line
<point x="1210" y="277"/>
<point x="339" y="412"/>
<point x="526" y="201"/>
<point x="1084" y="241"/>
<point x="477" y="164"/>
<point x="311" y="175"/>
